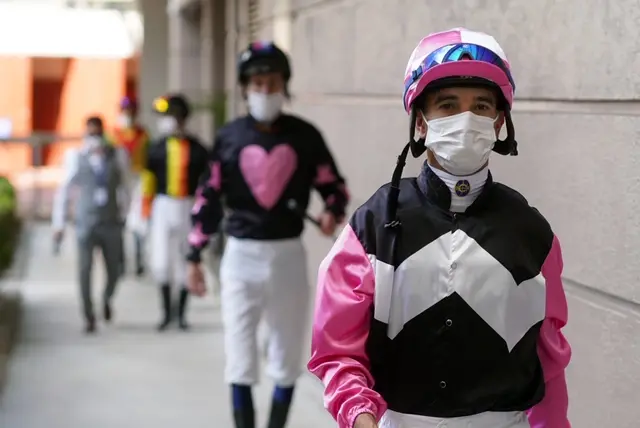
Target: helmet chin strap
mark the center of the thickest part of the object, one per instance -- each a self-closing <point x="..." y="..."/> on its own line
<point x="417" y="149"/>
<point x="508" y="146"/>
<point x="505" y="147"/>
<point x="417" y="146"/>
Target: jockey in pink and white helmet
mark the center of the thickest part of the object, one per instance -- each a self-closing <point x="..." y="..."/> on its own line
<point x="460" y="57"/>
<point x="455" y="58"/>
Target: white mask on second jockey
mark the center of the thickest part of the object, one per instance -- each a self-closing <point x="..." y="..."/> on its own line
<point x="265" y="107"/>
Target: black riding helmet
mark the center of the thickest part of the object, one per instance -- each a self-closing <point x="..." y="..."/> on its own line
<point x="262" y="57"/>
<point x="175" y="105"/>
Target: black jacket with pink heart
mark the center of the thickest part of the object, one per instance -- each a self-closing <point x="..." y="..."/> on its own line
<point x="257" y="173"/>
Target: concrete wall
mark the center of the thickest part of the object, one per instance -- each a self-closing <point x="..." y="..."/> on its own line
<point x="184" y="51"/>
<point x="576" y="122"/>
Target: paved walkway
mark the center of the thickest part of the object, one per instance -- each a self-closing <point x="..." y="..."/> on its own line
<point x="128" y="376"/>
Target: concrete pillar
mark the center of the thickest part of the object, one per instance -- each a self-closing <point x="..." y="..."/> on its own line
<point x="207" y="66"/>
<point x="212" y="62"/>
<point x="183" y="60"/>
<point x="218" y="72"/>
<point x="230" y="47"/>
<point x="237" y="12"/>
<point x="153" y="61"/>
<point x="282" y="24"/>
<point x="184" y="54"/>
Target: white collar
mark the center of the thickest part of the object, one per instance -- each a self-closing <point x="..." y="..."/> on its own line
<point x="464" y="189"/>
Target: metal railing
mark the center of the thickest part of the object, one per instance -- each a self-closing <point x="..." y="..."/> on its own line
<point x="32" y="197"/>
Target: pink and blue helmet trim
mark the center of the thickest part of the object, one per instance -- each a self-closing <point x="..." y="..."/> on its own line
<point x="453" y="53"/>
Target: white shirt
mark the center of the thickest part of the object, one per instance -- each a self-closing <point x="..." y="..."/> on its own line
<point x="71" y="168"/>
<point x="464" y="189"/>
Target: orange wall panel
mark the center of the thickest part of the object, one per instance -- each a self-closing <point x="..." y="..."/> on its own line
<point x="45" y="110"/>
<point x="90" y="87"/>
<point x="16" y="74"/>
<point x="132" y="87"/>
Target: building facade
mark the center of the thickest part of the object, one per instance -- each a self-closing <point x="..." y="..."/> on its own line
<point x="83" y="66"/>
<point x="577" y="118"/>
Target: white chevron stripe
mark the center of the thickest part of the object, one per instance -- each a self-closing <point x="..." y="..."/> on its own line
<point x="457" y="263"/>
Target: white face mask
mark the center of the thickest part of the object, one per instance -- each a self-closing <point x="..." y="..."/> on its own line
<point x="265" y="107"/>
<point x="167" y="125"/>
<point x="93" y="142"/>
<point x="125" y="121"/>
<point x="461" y="143"/>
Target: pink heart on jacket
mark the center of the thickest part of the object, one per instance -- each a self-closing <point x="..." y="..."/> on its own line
<point x="267" y="174"/>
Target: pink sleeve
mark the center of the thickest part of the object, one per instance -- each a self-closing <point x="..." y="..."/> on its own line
<point x="553" y="349"/>
<point x="341" y="324"/>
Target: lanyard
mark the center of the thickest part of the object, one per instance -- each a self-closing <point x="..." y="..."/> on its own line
<point x="100" y="171"/>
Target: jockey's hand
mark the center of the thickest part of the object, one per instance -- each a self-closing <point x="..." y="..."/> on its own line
<point x="365" y="420"/>
<point x="328" y="223"/>
<point x="195" y="279"/>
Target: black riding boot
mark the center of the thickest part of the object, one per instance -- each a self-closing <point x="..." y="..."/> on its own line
<point x="244" y="418"/>
<point x="280" y="405"/>
<point x="139" y="254"/>
<point x="243" y="410"/>
<point x="278" y="415"/>
<point x="182" y="307"/>
<point x="165" y="295"/>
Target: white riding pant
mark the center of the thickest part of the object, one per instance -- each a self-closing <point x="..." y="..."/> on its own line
<point x="393" y="419"/>
<point x="135" y="221"/>
<point x="170" y="226"/>
<point x="264" y="278"/>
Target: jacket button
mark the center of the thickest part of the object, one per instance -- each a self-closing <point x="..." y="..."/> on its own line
<point x="443" y="384"/>
<point x="448" y="323"/>
<point x="454" y="265"/>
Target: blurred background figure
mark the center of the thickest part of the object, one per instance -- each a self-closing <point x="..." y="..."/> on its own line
<point x="175" y="162"/>
<point x="100" y="172"/>
<point x="264" y="166"/>
<point x="130" y="135"/>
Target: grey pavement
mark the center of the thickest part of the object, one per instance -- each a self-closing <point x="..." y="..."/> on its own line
<point x="128" y="375"/>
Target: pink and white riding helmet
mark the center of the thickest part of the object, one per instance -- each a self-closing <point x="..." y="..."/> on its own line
<point x="457" y="53"/>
